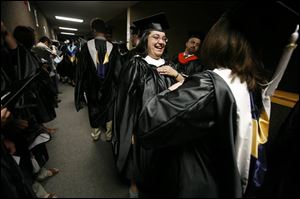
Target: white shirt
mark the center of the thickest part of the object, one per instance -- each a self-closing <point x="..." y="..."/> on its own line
<point x="243" y="141"/>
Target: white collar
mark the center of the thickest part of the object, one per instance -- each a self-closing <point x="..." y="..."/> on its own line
<point x="186" y="54"/>
<point x="155" y="62"/>
<point x="93" y="51"/>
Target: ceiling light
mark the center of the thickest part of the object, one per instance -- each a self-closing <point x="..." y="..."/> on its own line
<point x="67" y="33"/>
<point x="69" y="19"/>
<point x="64" y="28"/>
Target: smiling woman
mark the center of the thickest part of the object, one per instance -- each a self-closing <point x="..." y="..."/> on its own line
<point x="146" y="71"/>
<point x="140" y="80"/>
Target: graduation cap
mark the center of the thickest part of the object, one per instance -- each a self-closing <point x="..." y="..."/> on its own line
<point x="197" y="34"/>
<point x="155" y="22"/>
<point x="11" y="96"/>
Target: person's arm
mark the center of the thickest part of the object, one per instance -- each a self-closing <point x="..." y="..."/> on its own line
<point x="180" y="116"/>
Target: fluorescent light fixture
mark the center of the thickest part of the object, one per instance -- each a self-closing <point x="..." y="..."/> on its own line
<point x="69" y="19"/>
<point x="67" y="33"/>
<point x="64" y="28"/>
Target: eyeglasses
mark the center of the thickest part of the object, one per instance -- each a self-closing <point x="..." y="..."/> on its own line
<point x="157" y="38"/>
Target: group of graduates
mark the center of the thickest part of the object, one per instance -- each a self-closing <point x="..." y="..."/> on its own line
<point x="189" y="126"/>
<point x="67" y="66"/>
<point x="29" y="96"/>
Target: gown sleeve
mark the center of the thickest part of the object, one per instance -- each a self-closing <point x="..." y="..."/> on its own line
<point x="125" y="110"/>
<point x="175" y="117"/>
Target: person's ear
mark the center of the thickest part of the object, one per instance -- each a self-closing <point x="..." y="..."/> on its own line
<point x="186" y="43"/>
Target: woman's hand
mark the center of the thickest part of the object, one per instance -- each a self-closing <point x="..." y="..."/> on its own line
<point x="169" y="71"/>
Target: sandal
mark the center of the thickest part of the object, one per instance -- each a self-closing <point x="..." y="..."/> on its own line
<point x="46" y="173"/>
<point x="52" y="172"/>
<point x="51" y="195"/>
<point x="49" y="130"/>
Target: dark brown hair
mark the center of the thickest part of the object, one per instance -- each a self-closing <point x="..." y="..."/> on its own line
<point x="98" y="25"/>
<point x="225" y="46"/>
<point x="142" y="47"/>
<point x="25" y="36"/>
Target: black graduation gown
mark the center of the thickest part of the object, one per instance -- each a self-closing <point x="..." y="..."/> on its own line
<point x="189" y="68"/>
<point x="45" y="111"/>
<point x="197" y="122"/>
<point x="19" y="64"/>
<point x="70" y="63"/>
<point x="139" y="82"/>
<point x="62" y="68"/>
<point x="43" y="89"/>
<point x="99" y="93"/>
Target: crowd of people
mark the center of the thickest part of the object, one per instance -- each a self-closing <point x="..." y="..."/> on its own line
<point x="194" y="125"/>
<point x="29" y="96"/>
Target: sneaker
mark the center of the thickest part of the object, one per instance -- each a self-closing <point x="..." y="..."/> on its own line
<point x="96" y="134"/>
<point x="46" y="173"/>
<point x="133" y="194"/>
<point x="108" y="132"/>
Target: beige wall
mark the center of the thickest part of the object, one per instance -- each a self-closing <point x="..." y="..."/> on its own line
<point x="15" y="13"/>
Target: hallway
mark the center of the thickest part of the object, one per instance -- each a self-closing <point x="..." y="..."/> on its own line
<point x="86" y="167"/>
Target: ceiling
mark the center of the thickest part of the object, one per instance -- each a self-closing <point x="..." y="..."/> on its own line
<point x="85" y="10"/>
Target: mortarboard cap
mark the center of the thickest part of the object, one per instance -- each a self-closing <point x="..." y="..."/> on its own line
<point x="11" y="96"/>
<point x="156" y="22"/>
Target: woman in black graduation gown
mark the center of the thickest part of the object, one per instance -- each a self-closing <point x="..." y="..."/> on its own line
<point x="139" y="81"/>
<point x="210" y="122"/>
